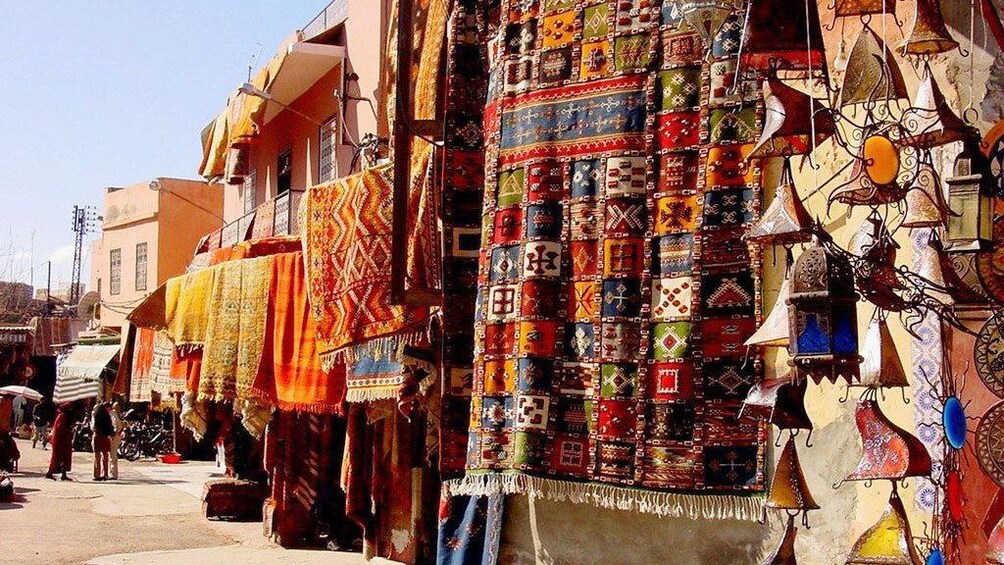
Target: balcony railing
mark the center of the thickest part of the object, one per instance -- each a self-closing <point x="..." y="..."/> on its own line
<point x="333" y="14"/>
<point x="272" y="218"/>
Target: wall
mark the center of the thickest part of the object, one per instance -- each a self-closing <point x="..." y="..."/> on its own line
<point x="169" y="225"/>
<point x="581" y="534"/>
<point x="365" y="49"/>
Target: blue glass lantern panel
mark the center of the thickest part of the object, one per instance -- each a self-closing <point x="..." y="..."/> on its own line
<point x="813" y="338"/>
<point x="935" y="558"/>
<point x="845" y="329"/>
<point x="953" y="417"/>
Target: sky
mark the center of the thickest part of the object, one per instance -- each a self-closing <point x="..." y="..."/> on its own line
<point x="111" y="93"/>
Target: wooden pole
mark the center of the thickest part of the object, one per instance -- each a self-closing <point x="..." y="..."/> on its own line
<point x="402" y="150"/>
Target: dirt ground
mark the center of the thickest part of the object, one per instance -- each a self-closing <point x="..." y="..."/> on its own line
<point x="151" y="515"/>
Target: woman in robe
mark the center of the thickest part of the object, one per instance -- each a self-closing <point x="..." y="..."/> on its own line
<point x="62" y="443"/>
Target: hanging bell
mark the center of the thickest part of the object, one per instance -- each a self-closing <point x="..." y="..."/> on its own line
<point x="925" y="204"/>
<point x="872" y="73"/>
<point x="788" y="490"/>
<point x="780" y="402"/>
<point x="931" y="121"/>
<point x="794" y="122"/>
<point x="889" y="541"/>
<point x="881" y="366"/>
<point x="845" y="8"/>
<point x="889" y="452"/>
<point x="785" y="552"/>
<point x="774" y="330"/>
<point x="930" y="34"/>
<point x="783" y="36"/>
<point x="785" y="221"/>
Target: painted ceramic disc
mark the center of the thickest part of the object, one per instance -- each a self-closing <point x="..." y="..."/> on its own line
<point x="953" y="417"/>
<point x="990" y="443"/>
<point x="990" y="265"/>
<point x="989" y="355"/>
<point x="881" y="159"/>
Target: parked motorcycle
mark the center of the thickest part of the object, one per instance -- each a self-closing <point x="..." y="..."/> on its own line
<point x="82" y="436"/>
<point x="142" y="439"/>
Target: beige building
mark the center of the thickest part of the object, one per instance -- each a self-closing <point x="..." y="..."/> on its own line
<point x="149" y="234"/>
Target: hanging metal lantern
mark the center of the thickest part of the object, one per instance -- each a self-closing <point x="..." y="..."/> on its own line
<point x="930" y="34"/>
<point x="774" y="330"/>
<point x="785" y="221"/>
<point x="875" y="272"/>
<point x="875" y="174"/>
<point x="889" y="452"/>
<point x="823" y="317"/>
<point x="995" y="545"/>
<point x="957" y="275"/>
<point x="788" y="490"/>
<point x="785" y="552"/>
<point x="845" y="8"/>
<point x="889" y="541"/>
<point x="925" y="203"/>
<point x="783" y="36"/>
<point x="872" y="73"/>
<point x="970" y="228"/>
<point x="931" y="121"/>
<point x="881" y="367"/>
<point x="794" y="122"/>
<point x="780" y="402"/>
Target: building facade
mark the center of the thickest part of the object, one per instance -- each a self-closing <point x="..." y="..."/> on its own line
<point x="149" y="233"/>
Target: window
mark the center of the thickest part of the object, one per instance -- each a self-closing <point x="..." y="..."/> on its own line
<point x="328" y="147"/>
<point x="285" y="171"/>
<point x="141" y="266"/>
<point x="250" y="190"/>
<point x="115" y="276"/>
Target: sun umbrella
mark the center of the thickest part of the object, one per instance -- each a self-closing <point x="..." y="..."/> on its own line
<point x="16" y="390"/>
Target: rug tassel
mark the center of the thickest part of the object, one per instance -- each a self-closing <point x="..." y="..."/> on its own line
<point x="666" y="504"/>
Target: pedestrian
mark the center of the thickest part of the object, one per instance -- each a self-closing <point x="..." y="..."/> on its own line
<point x="41" y="415"/>
<point x="103" y="429"/>
<point x="18" y="416"/>
<point x="62" y="443"/>
<point x="118" y="425"/>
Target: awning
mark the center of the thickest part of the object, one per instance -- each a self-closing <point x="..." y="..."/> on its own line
<point x="78" y="376"/>
<point x="14" y="335"/>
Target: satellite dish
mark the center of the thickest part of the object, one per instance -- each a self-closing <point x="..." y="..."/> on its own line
<point x="86" y="307"/>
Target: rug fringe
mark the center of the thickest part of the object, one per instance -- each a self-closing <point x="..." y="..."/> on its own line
<point x="665" y="504"/>
<point x="373" y="394"/>
<point x="377" y="347"/>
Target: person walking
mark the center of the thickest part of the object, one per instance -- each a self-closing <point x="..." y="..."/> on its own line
<point x="62" y="443"/>
<point x="18" y="406"/>
<point x="118" y="425"/>
<point x="103" y="429"/>
<point x="41" y="415"/>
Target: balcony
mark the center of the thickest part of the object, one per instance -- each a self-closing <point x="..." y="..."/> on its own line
<point x="274" y="217"/>
<point x="332" y="15"/>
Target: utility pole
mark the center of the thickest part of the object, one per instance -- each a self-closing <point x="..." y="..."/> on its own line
<point x="84" y="221"/>
<point x="48" y="289"/>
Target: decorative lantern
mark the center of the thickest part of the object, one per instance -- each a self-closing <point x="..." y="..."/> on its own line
<point x="956" y="274"/>
<point x="780" y="402"/>
<point x="783" y="36"/>
<point x="794" y="122"/>
<point x="875" y="273"/>
<point x="971" y="226"/>
<point x="995" y="545"/>
<point x="788" y="490"/>
<point x="925" y="204"/>
<point x="931" y="121"/>
<point x="872" y="73"/>
<point x="889" y="541"/>
<point x="930" y="34"/>
<point x="823" y="317"/>
<point x="889" y="452"/>
<point x="864" y="7"/>
<point x="785" y="221"/>
<point x="881" y="367"/>
<point x="874" y="177"/>
<point x="774" y="330"/>
<point x="785" y="552"/>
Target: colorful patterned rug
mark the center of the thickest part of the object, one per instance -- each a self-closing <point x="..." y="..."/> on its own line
<point x="614" y="291"/>
<point x="347" y="244"/>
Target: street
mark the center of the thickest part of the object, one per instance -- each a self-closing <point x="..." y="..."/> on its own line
<point x="151" y="515"/>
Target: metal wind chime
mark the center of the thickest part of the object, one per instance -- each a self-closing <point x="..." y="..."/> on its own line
<point x="889" y="142"/>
